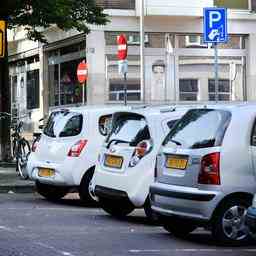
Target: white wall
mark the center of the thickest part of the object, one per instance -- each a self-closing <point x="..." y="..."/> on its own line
<point x="176" y="8"/>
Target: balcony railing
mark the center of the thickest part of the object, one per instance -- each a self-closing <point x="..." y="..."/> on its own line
<point x="117" y="4"/>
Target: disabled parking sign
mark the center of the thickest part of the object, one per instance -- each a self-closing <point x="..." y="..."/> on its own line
<point x="215" y="25"/>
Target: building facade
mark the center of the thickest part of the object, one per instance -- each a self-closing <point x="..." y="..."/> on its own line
<point x="179" y="66"/>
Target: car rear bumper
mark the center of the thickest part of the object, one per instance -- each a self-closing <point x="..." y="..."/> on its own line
<point x="109" y="193"/>
<point x="134" y="182"/>
<point x="251" y="219"/>
<point x="185" y="202"/>
<point x="63" y="172"/>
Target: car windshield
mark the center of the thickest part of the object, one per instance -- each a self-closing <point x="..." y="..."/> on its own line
<point x="130" y="128"/>
<point x="63" y="124"/>
<point x="199" y="128"/>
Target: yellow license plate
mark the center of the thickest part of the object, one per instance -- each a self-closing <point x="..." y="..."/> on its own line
<point x="176" y="163"/>
<point x="45" y="172"/>
<point x="113" y="161"/>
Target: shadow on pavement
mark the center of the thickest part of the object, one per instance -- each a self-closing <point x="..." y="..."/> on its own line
<point x="201" y="236"/>
<point x="72" y="200"/>
<point x="131" y="219"/>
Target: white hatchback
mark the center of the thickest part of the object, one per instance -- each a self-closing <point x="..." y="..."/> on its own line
<point x="126" y="163"/>
<point x="64" y="158"/>
<point x="206" y="172"/>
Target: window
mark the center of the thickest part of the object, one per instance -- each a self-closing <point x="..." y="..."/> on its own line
<point x="195" y="41"/>
<point x="253" y="5"/>
<point x="190" y="131"/>
<point x="63" y="124"/>
<point x="116" y="90"/>
<point x="232" y="4"/>
<point x="129" y="128"/>
<point x="224" y="93"/>
<point x="64" y="86"/>
<point x="116" y="4"/>
<point x="13" y="80"/>
<point x="253" y="136"/>
<point x="33" y="89"/>
<point x="188" y="89"/>
<point x="171" y="123"/>
<point x="105" y="123"/>
<point x="73" y="126"/>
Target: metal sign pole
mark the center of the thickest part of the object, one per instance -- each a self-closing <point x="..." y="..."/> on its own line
<point x="125" y="88"/>
<point x="83" y="93"/>
<point x="216" y="72"/>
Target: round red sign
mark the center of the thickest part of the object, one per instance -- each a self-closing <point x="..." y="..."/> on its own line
<point x="122" y="47"/>
<point x="82" y="72"/>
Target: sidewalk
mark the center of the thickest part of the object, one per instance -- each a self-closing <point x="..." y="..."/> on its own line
<point x="11" y="183"/>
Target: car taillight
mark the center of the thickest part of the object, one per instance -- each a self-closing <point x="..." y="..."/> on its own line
<point x="142" y="149"/>
<point x="77" y="148"/>
<point x="210" y="169"/>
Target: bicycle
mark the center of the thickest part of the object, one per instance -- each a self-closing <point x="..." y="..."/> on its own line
<point x="21" y="147"/>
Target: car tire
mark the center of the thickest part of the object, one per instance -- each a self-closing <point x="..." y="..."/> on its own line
<point x="116" y="208"/>
<point x="151" y="215"/>
<point x="51" y="193"/>
<point x="177" y="227"/>
<point x="83" y="190"/>
<point x="228" y="224"/>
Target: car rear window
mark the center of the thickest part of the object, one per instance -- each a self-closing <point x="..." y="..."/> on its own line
<point x="130" y="128"/>
<point x="64" y="124"/>
<point x="199" y="128"/>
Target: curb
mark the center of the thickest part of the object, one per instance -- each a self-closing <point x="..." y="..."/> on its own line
<point x="7" y="164"/>
<point x="17" y="189"/>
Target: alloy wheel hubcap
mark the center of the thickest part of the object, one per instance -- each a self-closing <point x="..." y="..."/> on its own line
<point x="233" y="223"/>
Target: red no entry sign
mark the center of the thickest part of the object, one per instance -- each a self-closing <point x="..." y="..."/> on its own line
<point x="122" y="47"/>
<point x="82" y="72"/>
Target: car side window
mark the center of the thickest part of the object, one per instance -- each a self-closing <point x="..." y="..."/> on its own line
<point x="253" y="135"/>
<point x="105" y="124"/>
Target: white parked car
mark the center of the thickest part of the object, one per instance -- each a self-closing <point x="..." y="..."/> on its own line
<point x="64" y="158"/>
<point x="206" y="172"/>
<point x="126" y="163"/>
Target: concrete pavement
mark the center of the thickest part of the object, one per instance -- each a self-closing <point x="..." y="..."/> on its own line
<point x="11" y="183"/>
<point x="30" y="225"/>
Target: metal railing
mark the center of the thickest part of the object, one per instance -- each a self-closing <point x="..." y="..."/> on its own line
<point x="117" y="4"/>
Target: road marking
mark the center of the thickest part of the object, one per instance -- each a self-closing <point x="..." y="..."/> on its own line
<point x="54" y="249"/>
<point x="6" y="228"/>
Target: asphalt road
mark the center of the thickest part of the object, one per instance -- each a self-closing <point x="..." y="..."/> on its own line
<point x="31" y="226"/>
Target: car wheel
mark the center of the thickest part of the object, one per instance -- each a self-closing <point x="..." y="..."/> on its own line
<point x="84" y="190"/>
<point x="228" y="225"/>
<point x="50" y="192"/>
<point x="151" y="215"/>
<point x="177" y="227"/>
<point x="116" y="208"/>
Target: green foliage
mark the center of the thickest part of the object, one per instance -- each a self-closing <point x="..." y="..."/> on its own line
<point x="37" y="15"/>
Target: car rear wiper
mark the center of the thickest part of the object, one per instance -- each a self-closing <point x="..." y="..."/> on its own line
<point x="176" y="142"/>
<point x="116" y="142"/>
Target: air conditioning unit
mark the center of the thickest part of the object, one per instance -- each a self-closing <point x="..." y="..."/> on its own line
<point x="135" y="39"/>
<point x="195" y="41"/>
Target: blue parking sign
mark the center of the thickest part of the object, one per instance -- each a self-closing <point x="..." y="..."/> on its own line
<point x="215" y="25"/>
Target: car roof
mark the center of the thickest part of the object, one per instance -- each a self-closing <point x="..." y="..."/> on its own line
<point x="234" y="107"/>
<point x="93" y="108"/>
<point x="149" y="110"/>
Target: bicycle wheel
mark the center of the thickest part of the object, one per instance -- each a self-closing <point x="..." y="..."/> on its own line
<point x="22" y="158"/>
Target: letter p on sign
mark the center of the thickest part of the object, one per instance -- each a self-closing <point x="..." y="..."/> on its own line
<point x="214" y="16"/>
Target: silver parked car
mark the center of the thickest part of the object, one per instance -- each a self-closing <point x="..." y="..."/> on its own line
<point x="206" y="171"/>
